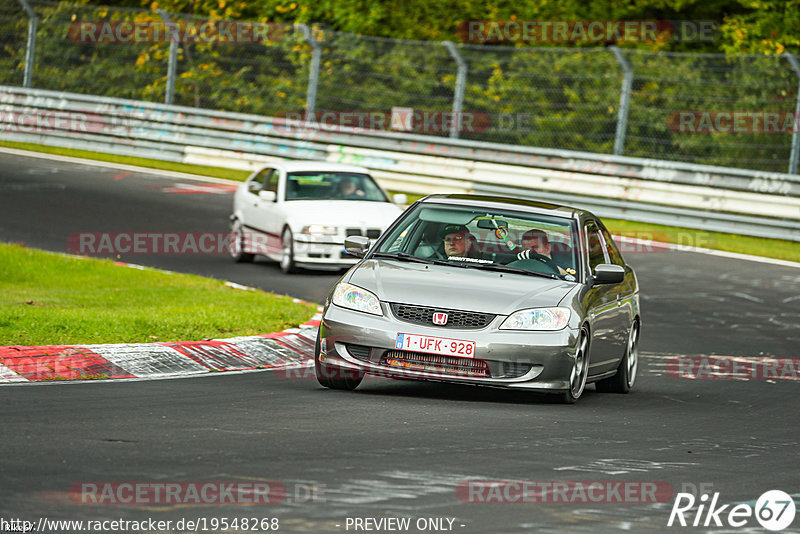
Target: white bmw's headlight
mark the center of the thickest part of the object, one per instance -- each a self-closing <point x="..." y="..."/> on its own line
<point x="537" y="319"/>
<point x="355" y="298"/>
<point x="319" y="229"/>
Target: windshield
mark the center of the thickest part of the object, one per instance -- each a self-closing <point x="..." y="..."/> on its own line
<point x="486" y="239"/>
<point x="315" y="185"/>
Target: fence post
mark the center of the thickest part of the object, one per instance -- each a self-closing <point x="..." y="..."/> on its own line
<point x="793" y="156"/>
<point x="313" y="73"/>
<point x="172" y="63"/>
<point x="30" y="49"/>
<point x="624" y="100"/>
<point x="458" y="95"/>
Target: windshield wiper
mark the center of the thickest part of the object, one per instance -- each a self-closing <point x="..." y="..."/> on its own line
<point x="410" y="257"/>
<point x="506" y="269"/>
<point x="402" y="256"/>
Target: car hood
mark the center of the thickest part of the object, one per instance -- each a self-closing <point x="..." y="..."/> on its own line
<point x="358" y="213"/>
<point x="457" y="288"/>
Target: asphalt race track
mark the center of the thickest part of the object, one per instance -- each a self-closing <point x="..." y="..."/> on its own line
<point x="397" y="449"/>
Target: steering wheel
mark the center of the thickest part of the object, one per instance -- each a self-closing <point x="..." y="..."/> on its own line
<point x="542" y="259"/>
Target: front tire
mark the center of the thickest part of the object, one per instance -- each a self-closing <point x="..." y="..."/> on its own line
<point x="237" y="248"/>
<point x="287" y="252"/>
<point x="579" y="373"/>
<point x="334" y="377"/>
<point x="623" y="381"/>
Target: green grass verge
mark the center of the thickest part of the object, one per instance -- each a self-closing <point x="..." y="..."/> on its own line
<point x="771" y="248"/>
<point x="52" y="299"/>
<point x="756" y="246"/>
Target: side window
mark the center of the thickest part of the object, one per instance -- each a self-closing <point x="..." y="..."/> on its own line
<point x="611" y="249"/>
<point x="595" y="247"/>
<point x="256" y="184"/>
<point x="271" y="181"/>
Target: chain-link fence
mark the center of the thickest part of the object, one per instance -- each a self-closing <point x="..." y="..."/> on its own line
<point x="737" y="111"/>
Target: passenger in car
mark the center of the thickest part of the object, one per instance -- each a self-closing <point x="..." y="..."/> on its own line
<point x="537" y="241"/>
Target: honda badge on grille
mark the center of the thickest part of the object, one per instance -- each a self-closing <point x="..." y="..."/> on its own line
<point x="440" y="318"/>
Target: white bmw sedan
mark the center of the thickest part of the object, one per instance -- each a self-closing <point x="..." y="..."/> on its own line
<point x="299" y="213"/>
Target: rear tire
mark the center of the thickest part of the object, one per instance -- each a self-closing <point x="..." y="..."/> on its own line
<point x="335" y="377"/>
<point x="623" y="381"/>
<point x="237" y="243"/>
<point x="580" y="371"/>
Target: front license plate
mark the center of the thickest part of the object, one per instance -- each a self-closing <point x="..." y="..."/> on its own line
<point x="435" y="345"/>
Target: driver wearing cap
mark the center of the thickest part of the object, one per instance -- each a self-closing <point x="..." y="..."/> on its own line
<point x="457" y="240"/>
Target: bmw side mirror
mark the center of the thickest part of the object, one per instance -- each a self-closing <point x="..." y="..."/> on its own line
<point x="356" y="245"/>
<point x="606" y="273"/>
<point x="400" y="198"/>
<point x="267" y="196"/>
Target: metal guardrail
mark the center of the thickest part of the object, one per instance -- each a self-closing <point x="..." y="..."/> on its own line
<point x="665" y="192"/>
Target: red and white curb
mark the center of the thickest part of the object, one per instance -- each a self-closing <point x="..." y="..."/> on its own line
<point x="279" y="350"/>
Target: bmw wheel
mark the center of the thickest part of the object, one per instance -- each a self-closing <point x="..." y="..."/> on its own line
<point x="237" y="248"/>
<point x="287" y="253"/>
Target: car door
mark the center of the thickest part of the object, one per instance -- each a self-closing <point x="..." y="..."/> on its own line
<point x="602" y="305"/>
<point x="625" y="291"/>
<point x="260" y="212"/>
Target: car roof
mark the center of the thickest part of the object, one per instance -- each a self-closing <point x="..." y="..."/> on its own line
<point x="322" y="166"/>
<point x="489" y="201"/>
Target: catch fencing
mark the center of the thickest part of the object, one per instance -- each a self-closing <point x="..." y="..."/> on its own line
<point x="713" y="109"/>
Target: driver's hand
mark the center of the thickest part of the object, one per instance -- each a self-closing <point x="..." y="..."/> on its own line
<point x="524" y="255"/>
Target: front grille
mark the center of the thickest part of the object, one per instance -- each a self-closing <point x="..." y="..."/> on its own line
<point x="433" y="363"/>
<point x="358" y="351"/>
<point x="455" y="318"/>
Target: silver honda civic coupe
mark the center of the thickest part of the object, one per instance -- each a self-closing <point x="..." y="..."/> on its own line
<point x="485" y="290"/>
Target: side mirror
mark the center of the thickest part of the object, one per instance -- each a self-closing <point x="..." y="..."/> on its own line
<point x="400" y="198"/>
<point x="606" y="273"/>
<point x="267" y="196"/>
<point x="356" y="245"/>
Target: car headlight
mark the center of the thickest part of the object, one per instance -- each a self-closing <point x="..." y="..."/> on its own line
<point x="319" y="229"/>
<point x="355" y="298"/>
<point x="537" y="319"/>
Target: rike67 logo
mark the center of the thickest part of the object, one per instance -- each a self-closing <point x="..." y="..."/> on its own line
<point x="774" y="510"/>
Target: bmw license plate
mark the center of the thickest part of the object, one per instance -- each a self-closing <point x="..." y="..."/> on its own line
<point x="444" y="346"/>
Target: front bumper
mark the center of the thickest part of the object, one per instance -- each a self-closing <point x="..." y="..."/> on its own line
<point x="321" y="252"/>
<point x="548" y="356"/>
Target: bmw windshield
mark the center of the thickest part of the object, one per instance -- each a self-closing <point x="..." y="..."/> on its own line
<point x="482" y="238"/>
